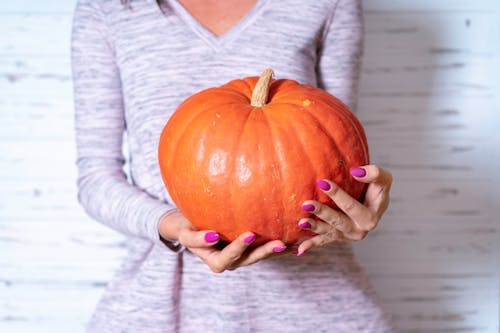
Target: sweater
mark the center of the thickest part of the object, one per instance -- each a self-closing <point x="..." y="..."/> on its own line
<point x="131" y="68"/>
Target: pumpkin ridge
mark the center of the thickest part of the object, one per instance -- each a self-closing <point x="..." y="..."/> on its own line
<point x="344" y="109"/>
<point x="334" y="101"/>
<point x="341" y="148"/>
<point x="199" y="113"/>
<point x="163" y="136"/>
<point x="276" y="160"/>
<point x="338" y="105"/>
<point x="293" y="126"/>
<point x="232" y="90"/>
<point x="232" y="167"/>
<point x="231" y="93"/>
<point x="322" y="131"/>
<point x="250" y="82"/>
<point x="182" y="135"/>
<point x="315" y="119"/>
<point x="282" y="87"/>
<point x="291" y="90"/>
<point x="358" y="128"/>
<point x="225" y="216"/>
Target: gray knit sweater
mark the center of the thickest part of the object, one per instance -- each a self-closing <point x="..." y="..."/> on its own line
<point x="131" y="68"/>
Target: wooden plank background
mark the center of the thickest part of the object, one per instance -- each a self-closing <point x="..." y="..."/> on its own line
<point x="430" y="102"/>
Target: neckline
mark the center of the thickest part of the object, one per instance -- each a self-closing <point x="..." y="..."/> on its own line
<point x="206" y="35"/>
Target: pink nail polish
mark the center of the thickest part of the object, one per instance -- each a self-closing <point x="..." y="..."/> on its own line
<point x="301" y="253"/>
<point x="279" y="248"/>
<point x="305" y="225"/>
<point x="211" y="237"/>
<point x="250" y="239"/>
<point x="323" y="185"/>
<point x="308" y="207"/>
<point x="358" y="172"/>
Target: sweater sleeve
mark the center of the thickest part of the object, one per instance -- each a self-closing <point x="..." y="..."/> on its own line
<point x="103" y="189"/>
<point x="341" y="51"/>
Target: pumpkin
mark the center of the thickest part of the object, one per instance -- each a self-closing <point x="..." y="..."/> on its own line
<point x="245" y="155"/>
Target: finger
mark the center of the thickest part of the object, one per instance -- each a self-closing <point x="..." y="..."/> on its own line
<point x="377" y="199"/>
<point x="316" y="226"/>
<point x="322" y="228"/>
<point x="203" y="253"/>
<point x="192" y="238"/>
<point x="219" y="261"/>
<point x="329" y="215"/>
<point x="377" y="193"/>
<point x="362" y="216"/>
<point x="372" y="174"/>
<point x="331" y="236"/>
<point x="267" y="250"/>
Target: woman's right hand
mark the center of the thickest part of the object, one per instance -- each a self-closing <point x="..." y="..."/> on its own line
<point x="203" y="244"/>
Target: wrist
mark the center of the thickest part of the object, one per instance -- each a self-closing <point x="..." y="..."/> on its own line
<point x="168" y="230"/>
<point x="168" y="225"/>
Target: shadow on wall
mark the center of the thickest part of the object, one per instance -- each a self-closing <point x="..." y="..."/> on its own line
<point x="427" y="100"/>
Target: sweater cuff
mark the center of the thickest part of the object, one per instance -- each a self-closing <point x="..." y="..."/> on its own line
<point x="157" y="214"/>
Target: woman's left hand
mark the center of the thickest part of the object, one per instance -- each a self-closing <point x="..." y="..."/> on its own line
<point x="354" y="220"/>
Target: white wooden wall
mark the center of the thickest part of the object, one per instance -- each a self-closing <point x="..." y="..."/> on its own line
<point x="429" y="99"/>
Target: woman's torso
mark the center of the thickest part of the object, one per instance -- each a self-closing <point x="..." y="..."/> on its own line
<point x="164" y="57"/>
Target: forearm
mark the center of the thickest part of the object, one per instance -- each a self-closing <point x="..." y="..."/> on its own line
<point x="103" y="189"/>
<point x="110" y="199"/>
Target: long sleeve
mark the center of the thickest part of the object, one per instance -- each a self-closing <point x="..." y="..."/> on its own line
<point x="103" y="189"/>
<point x="341" y="51"/>
<point x="132" y="67"/>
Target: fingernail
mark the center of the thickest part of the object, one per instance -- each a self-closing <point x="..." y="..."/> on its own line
<point x="323" y="185"/>
<point x="211" y="237"/>
<point x="358" y="172"/>
<point x="279" y="248"/>
<point x="250" y="239"/>
<point x="300" y="253"/>
<point x="308" y="207"/>
<point x="305" y="225"/>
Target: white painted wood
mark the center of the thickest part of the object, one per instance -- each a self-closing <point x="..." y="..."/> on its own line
<point x="429" y="100"/>
<point x="429" y="5"/>
<point x="430" y="103"/>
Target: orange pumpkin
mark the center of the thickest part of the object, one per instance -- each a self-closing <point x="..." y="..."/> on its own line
<point x="244" y="156"/>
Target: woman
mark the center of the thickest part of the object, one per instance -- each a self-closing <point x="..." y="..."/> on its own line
<point x="132" y="65"/>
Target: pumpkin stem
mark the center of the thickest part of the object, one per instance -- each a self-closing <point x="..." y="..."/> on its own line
<point x="261" y="90"/>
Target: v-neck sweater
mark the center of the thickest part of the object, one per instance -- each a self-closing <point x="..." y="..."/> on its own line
<point x="131" y="68"/>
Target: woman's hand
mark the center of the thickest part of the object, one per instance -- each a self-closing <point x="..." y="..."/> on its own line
<point x="354" y="220"/>
<point x="203" y="244"/>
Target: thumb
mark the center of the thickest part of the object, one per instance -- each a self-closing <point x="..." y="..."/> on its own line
<point x="372" y="174"/>
<point x="192" y="238"/>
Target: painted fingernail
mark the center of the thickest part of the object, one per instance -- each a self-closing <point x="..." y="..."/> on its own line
<point x="211" y="237"/>
<point x="358" y="172"/>
<point x="250" y="239"/>
<point x="323" y="185"/>
<point x="305" y="225"/>
<point x="300" y="253"/>
<point x="308" y="207"/>
<point x="279" y="248"/>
